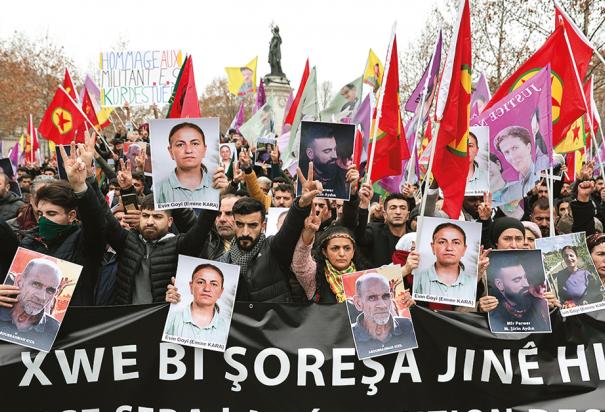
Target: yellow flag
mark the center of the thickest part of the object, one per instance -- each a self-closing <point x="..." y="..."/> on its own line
<point x="374" y="70"/>
<point x="242" y="80"/>
<point x="575" y="138"/>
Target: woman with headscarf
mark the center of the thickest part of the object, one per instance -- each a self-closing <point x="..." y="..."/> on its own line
<point x="507" y="233"/>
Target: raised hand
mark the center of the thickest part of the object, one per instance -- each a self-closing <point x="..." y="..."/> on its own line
<point x="352" y="177"/>
<point x="125" y="175"/>
<point x="238" y="174"/>
<point x="275" y="154"/>
<point x="585" y="189"/>
<point x="485" y="207"/>
<point x="74" y="168"/>
<point x="310" y="187"/>
<point x="245" y="161"/>
<point x="312" y="224"/>
<point x="219" y="179"/>
<point x="87" y="151"/>
<point x="365" y="195"/>
<point x="484" y="260"/>
<point x="172" y="293"/>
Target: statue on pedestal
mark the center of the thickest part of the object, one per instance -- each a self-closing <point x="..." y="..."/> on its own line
<point x="277" y="75"/>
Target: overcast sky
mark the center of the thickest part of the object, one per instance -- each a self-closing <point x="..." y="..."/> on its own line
<point x="335" y="35"/>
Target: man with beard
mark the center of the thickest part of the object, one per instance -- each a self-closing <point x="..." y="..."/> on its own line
<point x="319" y="147"/>
<point x="27" y="320"/>
<point x="518" y="308"/>
<point x="264" y="262"/>
<point x="223" y="232"/>
<point x="376" y="330"/>
<point x="148" y="256"/>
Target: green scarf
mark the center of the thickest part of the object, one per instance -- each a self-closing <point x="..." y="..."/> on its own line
<point x="50" y="230"/>
<point x="334" y="278"/>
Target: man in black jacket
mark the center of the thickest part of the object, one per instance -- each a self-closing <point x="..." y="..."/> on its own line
<point x="58" y="234"/>
<point x="148" y="256"/>
<point x="265" y="261"/>
<point x="378" y="240"/>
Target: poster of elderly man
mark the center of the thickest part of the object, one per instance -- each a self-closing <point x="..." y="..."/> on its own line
<point x="202" y="317"/>
<point x="380" y="321"/>
<point x="185" y="160"/>
<point x="34" y="298"/>
<point x="572" y="273"/>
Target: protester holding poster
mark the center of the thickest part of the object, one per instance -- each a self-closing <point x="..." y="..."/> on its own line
<point x="379" y="326"/>
<point x="449" y="254"/>
<point x="196" y="179"/>
<point x="477" y="181"/>
<point x="572" y="273"/>
<point x="203" y="316"/>
<point x="329" y="147"/>
<point x="520" y="127"/>
<point x="516" y="278"/>
<point x="43" y="287"/>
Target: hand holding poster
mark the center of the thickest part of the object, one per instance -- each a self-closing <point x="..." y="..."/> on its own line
<point x="264" y="147"/>
<point x="43" y="287"/>
<point x="330" y="147"/>
<point x="203" y="316"/>
<point x="142" y="77"/>
<point x="380" y="324"/>
<point x="184" y="156"/>
<point x="516" y="279"/>
<point x="572" y="273"/>
<point x="449" y="254"/>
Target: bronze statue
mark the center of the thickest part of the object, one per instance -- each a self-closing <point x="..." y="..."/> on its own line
<point x="275" y="54"/>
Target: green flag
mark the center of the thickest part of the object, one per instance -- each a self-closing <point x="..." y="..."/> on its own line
<point x="344" y="103"/>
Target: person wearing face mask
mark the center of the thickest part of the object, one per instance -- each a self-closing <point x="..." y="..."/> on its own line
<point x="59" y="232"/>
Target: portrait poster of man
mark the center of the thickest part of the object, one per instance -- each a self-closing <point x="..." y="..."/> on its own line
<point x="477" y="181"/>
<point x="571" y="273"/>
<point x="520" y="139"/>
<point x="449" y="255"/>
<point x="275" y="219"/>
<point x="330" y="147"/>
<point x="45" y="286"/>
<point x="203" y="316"/>
<point x="185" y="157"/>
<point x="380" y="324"/>
<point x="264" y="146"/>
<point x="516" y="278"/>
<point x="132" y="150"/>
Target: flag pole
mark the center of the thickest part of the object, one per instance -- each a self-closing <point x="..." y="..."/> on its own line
<point x="85" y="117"/>
<point x="380" y="99"/>
<point x="31" y="138"/>
<point x="420" y="117"/>
<point x="588" y="112"/>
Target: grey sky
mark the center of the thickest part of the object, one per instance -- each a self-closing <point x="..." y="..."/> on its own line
<point x="335" y="35"/>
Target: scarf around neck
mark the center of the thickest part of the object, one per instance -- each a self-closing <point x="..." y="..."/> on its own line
<point x="243" y="258"/>
<point x="334" y="278"/>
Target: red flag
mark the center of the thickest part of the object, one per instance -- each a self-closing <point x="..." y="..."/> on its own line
<point x="62" y="119"/>
<point x="185" y="102"/>
<point x="301" y="88"/>
<point x="567" y="103"/>
<point x="390" y="147"/>
<point x="358" y="147"/>
<point x="580" y="45"/>
<point x="89" y="109"/>
<point x="450" y="162"/>
<point x="31" y="141"/>
<point x="68" y="85"/>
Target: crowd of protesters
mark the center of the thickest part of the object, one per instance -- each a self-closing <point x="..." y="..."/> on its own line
<point x="129" y="254"/>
